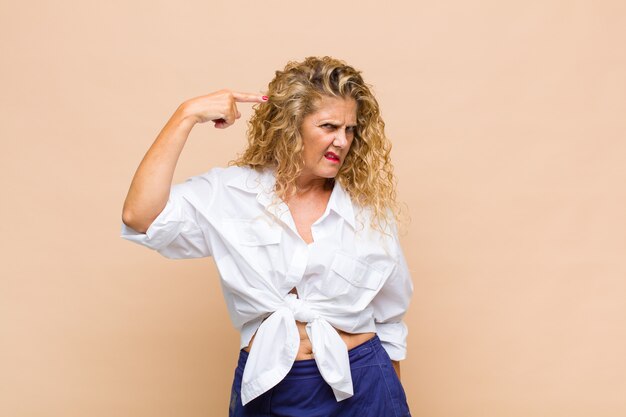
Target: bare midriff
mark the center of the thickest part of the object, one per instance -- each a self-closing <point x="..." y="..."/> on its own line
<point x="305" y="351"/>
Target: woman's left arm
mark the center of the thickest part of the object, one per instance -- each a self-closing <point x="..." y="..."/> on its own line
<point x="391" y="304"/>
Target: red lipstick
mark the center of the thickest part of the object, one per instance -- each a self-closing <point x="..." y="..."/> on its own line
<point x="331" y="156"/>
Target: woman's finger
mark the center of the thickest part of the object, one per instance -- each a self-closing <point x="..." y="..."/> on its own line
<point x="249" y="97"/>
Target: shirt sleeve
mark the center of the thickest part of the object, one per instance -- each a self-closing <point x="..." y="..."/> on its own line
<point x="179" y="231"/>
<point x="391" y="304"/>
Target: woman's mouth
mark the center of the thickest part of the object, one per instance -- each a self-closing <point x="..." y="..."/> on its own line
<point x="331" y="157"/>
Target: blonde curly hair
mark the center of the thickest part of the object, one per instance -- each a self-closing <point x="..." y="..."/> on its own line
<point x="274" y="137"/>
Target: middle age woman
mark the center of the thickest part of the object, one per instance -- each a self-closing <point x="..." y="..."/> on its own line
<point x="302" y="227"/>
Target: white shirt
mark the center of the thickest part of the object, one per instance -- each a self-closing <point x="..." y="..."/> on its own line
<point x="350" y="277"/>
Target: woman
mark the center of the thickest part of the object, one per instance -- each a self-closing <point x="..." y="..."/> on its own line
<point x="302" y="230"/>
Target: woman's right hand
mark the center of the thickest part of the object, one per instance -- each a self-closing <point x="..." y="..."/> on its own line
<point x="150" y="187"/>
<point x="219" y="107"/>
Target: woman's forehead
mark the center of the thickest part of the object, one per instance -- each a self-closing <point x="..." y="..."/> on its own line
<point x="334" y="107"/>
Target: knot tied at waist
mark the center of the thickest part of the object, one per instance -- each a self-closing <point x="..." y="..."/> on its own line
<point x="299" y="308"/>
<point x="276" y="346"/>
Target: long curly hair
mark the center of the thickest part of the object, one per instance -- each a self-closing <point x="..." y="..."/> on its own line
<point x="274" y="137"/>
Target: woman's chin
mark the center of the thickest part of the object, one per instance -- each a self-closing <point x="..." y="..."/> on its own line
<point x="325" y="172"/>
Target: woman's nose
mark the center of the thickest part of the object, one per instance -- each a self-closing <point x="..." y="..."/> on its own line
<point x="340" y="139"/>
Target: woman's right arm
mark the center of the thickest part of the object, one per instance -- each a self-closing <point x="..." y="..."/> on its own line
<point x="150" y="187"/>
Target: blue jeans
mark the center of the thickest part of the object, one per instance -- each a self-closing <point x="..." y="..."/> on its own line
<point x="304" y="393"/>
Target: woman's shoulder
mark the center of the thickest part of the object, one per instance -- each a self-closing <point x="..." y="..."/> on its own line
<point x="228" y="173"/>
<point x="386" y="225"/>
<point x="243" y="177"/>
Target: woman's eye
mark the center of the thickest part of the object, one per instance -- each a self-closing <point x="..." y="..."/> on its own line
<point x="349" y="129"/>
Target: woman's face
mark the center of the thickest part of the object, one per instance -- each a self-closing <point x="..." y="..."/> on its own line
<point x="327" y="135"/>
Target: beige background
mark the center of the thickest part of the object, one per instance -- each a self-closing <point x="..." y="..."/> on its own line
<point x="509" y="144"/>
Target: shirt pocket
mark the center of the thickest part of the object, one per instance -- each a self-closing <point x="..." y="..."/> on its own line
<point x="254" y="245"/>
<point x="352" y="280"/>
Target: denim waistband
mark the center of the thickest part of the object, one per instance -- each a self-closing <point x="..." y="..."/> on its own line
<point x="361" y="355"/>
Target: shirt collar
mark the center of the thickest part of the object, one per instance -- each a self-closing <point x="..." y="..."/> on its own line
<point x="262" y="184"/>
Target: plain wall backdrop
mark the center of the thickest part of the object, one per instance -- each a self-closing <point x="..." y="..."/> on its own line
<point x="508" y="126"/>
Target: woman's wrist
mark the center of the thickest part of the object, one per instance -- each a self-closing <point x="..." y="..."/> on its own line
<point x="184" y="115"/>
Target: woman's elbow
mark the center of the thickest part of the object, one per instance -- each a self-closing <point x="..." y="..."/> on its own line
<point x="130" y="221"/>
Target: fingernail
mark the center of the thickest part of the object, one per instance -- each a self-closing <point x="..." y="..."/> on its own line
<point x="265" y="97"/>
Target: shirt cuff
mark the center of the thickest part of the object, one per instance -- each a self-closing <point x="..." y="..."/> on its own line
<point x="393" y="338"/>
<point x="163" y="230"/>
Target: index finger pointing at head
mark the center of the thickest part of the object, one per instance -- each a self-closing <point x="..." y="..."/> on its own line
<point x="248" y="97"/>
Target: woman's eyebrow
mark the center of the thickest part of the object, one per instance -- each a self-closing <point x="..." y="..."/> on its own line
<point x="332" y="122"/>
